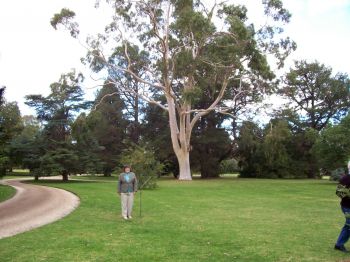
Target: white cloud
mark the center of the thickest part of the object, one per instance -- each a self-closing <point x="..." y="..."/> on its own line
<point x="321" y="29"/>
<point x="32" y="54"/>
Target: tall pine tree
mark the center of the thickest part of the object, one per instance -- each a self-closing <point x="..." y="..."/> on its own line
<point x="108" y="126"/>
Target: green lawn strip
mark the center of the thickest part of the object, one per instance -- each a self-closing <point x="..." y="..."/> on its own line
<point x="6" y="192"/>
<point x="15" y="177"/>
<point x="213" y="220"/>
<point x="97" y="178"/>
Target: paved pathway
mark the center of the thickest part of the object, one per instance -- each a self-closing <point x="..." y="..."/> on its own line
<point x="33" y="206"/>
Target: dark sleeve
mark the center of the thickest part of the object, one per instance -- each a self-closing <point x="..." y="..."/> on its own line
<point x="345" y="181"/>
<point x="120" y="183"/>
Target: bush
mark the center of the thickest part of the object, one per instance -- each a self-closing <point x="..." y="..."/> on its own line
<point x="144" y="165"/>
<point x="229" y="166"/>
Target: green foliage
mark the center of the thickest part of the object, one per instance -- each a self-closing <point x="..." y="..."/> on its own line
<point x="144" y="164"/>
<point x="65" y="18"/>
<point x="301" y="145"/>
<point x="275" y="9"/>
<point x="24" y="146"/>
<point x="249" y="149"/>
<point x="319" y="97"/>
<point x="10" y="126"/>
<point x="10" y="122"/>
<point x="332" y="148"/>
<point x="59" y="107"/>
<point x="210" y="146"/>
<point x="4" y="162"/>
<point x="86" y="147"/>
<point x="57" y="111"/>
<point x="191" y="95"/>
<point x="106" y="125"/>
<point x="275" y="149"/>
<point x="301" y="151"/>
<point x="30" y="151"/>
<point x="62" y="160"/>
<point x="276" y="152"/>
<point x="229" y="166"/>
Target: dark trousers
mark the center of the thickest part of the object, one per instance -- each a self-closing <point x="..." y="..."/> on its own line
<point x="345" y="232"/>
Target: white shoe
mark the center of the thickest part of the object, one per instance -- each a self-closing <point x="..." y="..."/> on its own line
<point x="125" y="218"/>
<point x="130" y="217"/>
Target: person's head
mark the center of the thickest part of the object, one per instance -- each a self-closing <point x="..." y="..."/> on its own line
<point x="127" y="168"/>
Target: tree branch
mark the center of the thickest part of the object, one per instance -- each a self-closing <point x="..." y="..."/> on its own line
<point x="213" y="105"/>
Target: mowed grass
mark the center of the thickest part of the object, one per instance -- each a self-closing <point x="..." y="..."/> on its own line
<point x="204" y="220"/>
<point x="6" y="192"/>
<point x="98" y="178"/>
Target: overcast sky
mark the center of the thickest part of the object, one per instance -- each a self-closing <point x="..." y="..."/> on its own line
<point x="33" y="54"/>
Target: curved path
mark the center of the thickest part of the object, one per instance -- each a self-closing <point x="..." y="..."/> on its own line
<point x="33" y="206"/>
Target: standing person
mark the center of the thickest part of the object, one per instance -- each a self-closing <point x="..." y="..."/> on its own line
<point x="343" y="191"/>
<point x="127" y="187"/>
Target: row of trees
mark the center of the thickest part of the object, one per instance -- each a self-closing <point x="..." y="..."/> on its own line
<point x="293" y="143"/>
<point x="276" y="151"/>
<point x="307" y="136"/>
<point x="61" y="141"/>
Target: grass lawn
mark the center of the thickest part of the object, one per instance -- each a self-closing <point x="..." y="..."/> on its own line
<point x="6" y="192"/>
<point x="99" y="178"/>
<point x="224" y="219"/>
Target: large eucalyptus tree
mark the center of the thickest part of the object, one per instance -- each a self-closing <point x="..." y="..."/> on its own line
<point x="185" y="41"/>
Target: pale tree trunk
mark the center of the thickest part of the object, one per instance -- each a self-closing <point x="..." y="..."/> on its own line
<point x="179" y="142"/>
<point x="184" y="165"/>
<point x="181" y="126"/>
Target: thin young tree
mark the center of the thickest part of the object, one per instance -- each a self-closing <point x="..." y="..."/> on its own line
<point x="184" y="44"/>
